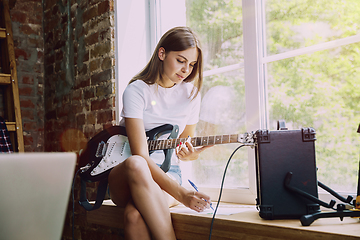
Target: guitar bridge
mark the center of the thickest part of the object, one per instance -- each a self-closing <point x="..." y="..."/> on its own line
<point x="101" y="149"/>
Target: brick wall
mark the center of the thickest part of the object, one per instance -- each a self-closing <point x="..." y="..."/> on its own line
<point x="65" y="61"/>
<point x="29" y="52"/>
<point x="78" y="62"/>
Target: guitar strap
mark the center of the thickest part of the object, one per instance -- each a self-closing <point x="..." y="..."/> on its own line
<point x="101" y="191"/>
<point x="165" y="166"/>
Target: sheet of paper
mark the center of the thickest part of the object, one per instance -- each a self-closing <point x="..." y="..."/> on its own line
<point x="222" y="210"/>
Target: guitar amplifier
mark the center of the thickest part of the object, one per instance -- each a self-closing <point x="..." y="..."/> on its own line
<point x="280" y="154"/>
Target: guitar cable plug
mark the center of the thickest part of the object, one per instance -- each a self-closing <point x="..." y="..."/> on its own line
<point x="85" y="168"/>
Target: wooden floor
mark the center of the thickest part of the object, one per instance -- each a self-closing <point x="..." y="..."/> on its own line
<point x="245" y="224"/>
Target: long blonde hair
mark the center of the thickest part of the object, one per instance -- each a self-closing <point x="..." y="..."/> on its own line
<point x="176" y="39"/>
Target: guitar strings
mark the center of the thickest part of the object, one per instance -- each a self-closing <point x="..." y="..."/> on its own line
<point x="160" y="144"/>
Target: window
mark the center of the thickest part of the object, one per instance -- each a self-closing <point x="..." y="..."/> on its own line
<point x="219" y="26"/>
<point x="265" y="60"/>
<point x="311" y="66"/>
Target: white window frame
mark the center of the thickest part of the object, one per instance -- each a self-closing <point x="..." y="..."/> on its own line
<point x="256" y="70"/>
<point x="255" y="61"/>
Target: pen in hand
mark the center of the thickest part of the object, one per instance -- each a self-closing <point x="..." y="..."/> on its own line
<point x="196" y="189"/>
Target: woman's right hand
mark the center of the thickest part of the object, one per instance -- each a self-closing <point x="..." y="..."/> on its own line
<point x="197" y="201"/>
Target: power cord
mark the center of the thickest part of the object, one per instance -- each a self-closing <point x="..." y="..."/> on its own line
<point x="221" y="188"/>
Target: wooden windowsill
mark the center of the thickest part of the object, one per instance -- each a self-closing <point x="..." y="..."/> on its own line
<point x="244" y="224"/>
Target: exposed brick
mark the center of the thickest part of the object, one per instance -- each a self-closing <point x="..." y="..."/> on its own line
<point x="86" y="56"/>
<point x="25" y="91"/>
<point x="29" y="126"/>
<point x="27" y="80"/>
<point x="90" y="13"/>
<point x="89" y="93"/>
<point x="48" y="4"/>
<point x="103" y="7"/>
<point x="106" y="34"/>
<point x="64" y="111"/>
<point x="35" y="19"/>
<point x="94" y="65"/>
<point x="26" y="103"/>
<point x="27" y="114"/>
<point x="40" y="56"/>
<point x="91" y="118"/>
<point x="83" y="70"/>
<point x="28" y="140"/>
<point x="80" y="120"/>
<point x="37" y="68"/>
<point x="80" y="83"/>
<point x="105" y="116"/>
<point x="104" y="90"/>
<point x="17" y="16"/>
<point x="76" y="95"/>
<point x="92" y="39"/>
<point x="106" y="63"/>
<point x="28" y="30"/>
<point x="20" y="53"/>
<point x="100" y="50"/>
<point x="112" y="2"/>
<point x="89" y="130"/>
<point x="101" y="77"/>
<point x="101" y="104"/>
<point x="47" y="110"/>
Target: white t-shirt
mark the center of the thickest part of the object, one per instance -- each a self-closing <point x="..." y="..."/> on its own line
<point x="156" y="106"/>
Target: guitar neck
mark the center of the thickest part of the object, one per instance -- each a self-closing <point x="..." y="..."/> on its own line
<point x="195" y="141"/>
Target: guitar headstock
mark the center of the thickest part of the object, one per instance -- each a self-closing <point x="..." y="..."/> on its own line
<point x="247" y="139"/>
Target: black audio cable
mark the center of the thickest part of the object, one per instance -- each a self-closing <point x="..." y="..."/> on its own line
<point x="221" y="188"/>
<point x="73" y="203"/>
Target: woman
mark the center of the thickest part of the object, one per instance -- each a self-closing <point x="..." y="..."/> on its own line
<point x="162" y="93"/>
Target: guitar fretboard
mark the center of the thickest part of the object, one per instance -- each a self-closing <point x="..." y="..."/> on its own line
<point x="195" y="141"/>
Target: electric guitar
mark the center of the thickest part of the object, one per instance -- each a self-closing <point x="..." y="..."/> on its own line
<point x="111" y="147"/>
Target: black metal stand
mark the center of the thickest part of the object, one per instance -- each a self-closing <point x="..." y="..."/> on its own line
<point x="340" y="212"/>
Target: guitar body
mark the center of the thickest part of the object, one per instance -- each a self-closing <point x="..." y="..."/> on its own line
<point x="111" y="147"/>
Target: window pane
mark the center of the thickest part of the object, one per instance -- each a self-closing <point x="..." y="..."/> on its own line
<point x="295" y="24"/>
<point x="322" y="90"/>
<point x="222" y="113"/>
<point x="219" y="26"/>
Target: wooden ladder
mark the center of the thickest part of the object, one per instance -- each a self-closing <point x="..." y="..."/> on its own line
<point x="8" y="79"/>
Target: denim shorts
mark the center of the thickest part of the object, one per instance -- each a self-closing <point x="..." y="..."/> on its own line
<point x="175" y="172"/>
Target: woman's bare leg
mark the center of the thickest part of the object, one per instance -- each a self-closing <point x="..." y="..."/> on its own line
<point x="132" y="180"/>
<point x="134" y="224"/>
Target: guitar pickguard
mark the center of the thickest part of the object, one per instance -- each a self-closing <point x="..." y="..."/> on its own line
<point x="116" y="150"/>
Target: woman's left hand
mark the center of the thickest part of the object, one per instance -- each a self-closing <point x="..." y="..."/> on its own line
<point x="187" y="152"/>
